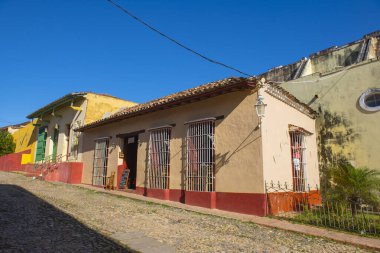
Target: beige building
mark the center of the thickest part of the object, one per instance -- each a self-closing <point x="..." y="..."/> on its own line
<point x="210" y="146"/>
<point x="343" y="85"/>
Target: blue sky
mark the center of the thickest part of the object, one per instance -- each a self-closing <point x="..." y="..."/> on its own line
<point x="49" y="48"/>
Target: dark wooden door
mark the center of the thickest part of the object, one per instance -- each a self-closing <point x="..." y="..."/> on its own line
<point x="130" y="154"/>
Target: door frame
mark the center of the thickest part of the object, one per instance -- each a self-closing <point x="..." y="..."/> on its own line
<point x="55" y="140"/>
<point x="43" y="143"/>
<point x="133" y="171"/>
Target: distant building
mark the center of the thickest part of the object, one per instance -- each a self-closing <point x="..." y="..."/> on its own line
<point x="343" y="85"/>
<point x="55" y="123"/>
<point x="13" y="128"/>
<point x="25" y="140"/>
<point x="48" y="145"/>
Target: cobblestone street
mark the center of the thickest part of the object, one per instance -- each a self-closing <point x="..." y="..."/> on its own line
<point x="35" y="216"/>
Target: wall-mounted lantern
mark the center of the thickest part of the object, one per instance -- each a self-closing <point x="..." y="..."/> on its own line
<point x="260" y="108"/>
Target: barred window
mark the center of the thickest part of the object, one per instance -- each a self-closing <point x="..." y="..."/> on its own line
<point x="99" y="173"/>
<point x="159" y="158"/>
<point x="298" y="152"/>
<point x="200" y="175"/>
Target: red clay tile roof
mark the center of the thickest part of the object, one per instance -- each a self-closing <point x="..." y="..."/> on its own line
<point x="286" y="97"/>
<point x="186" y="96"/>
<point x="199" y="93"/>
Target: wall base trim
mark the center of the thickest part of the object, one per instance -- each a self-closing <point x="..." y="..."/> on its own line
<point x="202" y="199"/>
<point x="246" y="203"/>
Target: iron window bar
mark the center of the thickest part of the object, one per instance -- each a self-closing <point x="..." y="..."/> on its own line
<point x="200" y="145"/>
<point x="159" y="157"/>
<point x="299" y="162"/>
<point x="100" y="161"/>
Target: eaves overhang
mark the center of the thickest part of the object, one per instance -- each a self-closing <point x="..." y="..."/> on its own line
<point x="192" y="95"/>
<point x="47" y="109"/>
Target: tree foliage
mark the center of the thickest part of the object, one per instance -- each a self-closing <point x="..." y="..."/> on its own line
<point x="355" y="185"/>
<point x="7" y="146"/>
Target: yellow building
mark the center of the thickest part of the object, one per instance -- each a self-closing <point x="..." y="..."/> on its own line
<point x="52" y="133"/>
<point x="25" y="139"/>
<point x="343" y="85"/>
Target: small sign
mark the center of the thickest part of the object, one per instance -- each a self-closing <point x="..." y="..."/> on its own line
<point x="121" y="155"/>
<point x="131" y="140"/>
<point x="124" y="179"/>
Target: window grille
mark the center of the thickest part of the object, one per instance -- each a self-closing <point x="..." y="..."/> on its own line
<point x="159" y="158"/>
<point x="100" y="162"/>
<point x="298" y="152"/>
<point x="200" y="174"/>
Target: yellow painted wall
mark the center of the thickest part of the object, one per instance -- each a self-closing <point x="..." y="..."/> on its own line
<point x="25" y="138"/>
<point x="98" y="105"/>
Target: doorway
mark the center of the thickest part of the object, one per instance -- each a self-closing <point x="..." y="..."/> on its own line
<point x="55" y="144"/>
<point x="130" y="154"/>
<point x="41" y="144"/>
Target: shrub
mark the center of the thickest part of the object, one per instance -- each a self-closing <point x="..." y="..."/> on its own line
<point x="7" y="146"/>
<point x="355" y="185"/>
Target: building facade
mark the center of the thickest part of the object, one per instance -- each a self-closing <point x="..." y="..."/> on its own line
<point x="343" y="85"/>
<point x="48" y="147"/>
<point x="54" y="123"/>
<point x="206" y="146"/>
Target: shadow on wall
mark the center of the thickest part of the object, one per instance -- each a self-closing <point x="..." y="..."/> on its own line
<point x="29" y="224"/>
<point x="223" y="159"/>
<point x="336" y="138"/>
<point x="33" y="136"/>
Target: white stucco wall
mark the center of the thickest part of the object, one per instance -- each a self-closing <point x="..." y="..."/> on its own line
<point x="277" y="162"/>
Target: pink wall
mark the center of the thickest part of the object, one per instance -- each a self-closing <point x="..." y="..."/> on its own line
<point x="12" y="162"/>
<point x="66" y="172"/>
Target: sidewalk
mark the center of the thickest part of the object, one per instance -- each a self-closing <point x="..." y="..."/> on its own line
<point x="352" y="239"/>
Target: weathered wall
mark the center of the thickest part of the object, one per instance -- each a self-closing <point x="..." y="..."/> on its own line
<point x="98" y="105"/>
<point x="25" y="139"/>
<point x="349" y="131"/>
<point x="277" y="160"/>
<point x="326" y="62"/>
<point x="66" y="172"/>
<point x="238" y="143"/>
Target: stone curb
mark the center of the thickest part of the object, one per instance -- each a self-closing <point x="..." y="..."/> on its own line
<point x="364" y="242"/>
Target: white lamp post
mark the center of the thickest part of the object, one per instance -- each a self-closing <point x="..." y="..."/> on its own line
<point x="260" y="108"/>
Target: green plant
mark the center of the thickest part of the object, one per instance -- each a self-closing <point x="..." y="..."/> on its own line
<point x="355" y="185"/>
<point x="7" y="146"/>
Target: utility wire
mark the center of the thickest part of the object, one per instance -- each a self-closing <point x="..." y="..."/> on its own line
<point x="175" y="41"/>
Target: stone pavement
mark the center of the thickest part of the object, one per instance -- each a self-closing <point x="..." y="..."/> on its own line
<point x="141" y="225"/>
<point x="365" y="242"/>
<point x="140" y="242"/>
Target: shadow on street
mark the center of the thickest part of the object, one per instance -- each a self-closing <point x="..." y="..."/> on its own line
<point x="29" y="224"/>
